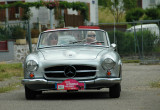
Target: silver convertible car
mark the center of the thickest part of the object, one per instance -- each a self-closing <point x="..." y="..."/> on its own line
<point x="72" y="60"/>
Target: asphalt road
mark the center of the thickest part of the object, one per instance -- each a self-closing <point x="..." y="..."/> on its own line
<point x="136" y="95"/>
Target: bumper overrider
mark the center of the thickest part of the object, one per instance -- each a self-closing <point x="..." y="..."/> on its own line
<point x="95" y="83"/>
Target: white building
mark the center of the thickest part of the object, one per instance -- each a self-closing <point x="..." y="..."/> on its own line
<point x="149" y="3"/>
<point x="43" y="14"/>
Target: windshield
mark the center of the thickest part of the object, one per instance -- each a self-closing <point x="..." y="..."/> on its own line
<point x="73" y="38"/>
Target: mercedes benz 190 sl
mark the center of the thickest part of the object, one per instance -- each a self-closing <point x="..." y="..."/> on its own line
<point x="73" y="60"/>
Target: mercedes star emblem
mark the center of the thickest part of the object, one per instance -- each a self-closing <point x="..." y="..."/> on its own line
<point x="70" y="71"/>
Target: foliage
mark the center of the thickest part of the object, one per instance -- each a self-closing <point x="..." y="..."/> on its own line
<point x="118" y="7"/>
<point x="148" y="14"/>
<point x="3" y="34"/>
<point x="18" y="32"/>
<point x="102" y="3"/>
<point x="134" y="14"/>
<point x="62" y="4"/>
<point x="148" y="40"/>
<point x="27" y="14"/>
<point x="126" y="43"/>
<point x="51" y="4"/>
<point x="130" y="4"/>
<point x="105" y="16"/>
<point x="152" y="14"/>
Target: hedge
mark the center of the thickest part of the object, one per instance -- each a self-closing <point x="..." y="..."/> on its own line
<point x="126" y="42"/>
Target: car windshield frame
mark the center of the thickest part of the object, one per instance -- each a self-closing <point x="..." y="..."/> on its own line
<point x="106" y="42"/>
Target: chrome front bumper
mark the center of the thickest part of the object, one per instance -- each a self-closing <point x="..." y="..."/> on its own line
<point x="95" y="81"/>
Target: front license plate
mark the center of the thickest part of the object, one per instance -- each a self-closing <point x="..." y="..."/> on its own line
<point x="70" y="84"/>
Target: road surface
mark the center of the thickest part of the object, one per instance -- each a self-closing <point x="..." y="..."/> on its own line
<point x="136" y="94"/>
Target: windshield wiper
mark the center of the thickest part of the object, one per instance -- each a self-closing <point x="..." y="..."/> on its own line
<point x="95" y="42"/>
<point x="52" y="46"/>
<point x="79" y="41"/>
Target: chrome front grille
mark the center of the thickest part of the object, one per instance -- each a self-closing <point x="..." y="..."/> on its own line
<point x="81" y="71"/>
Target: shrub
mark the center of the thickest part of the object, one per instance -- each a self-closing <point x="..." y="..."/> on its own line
<point x="134" y="14"/>
<point x="125" y="41"/>
<point x="18" y="32"/>
<point x="35" y="33"/>
<point x="152" y="14"/>
<point x="3" y="34"/>
<point x="148" y="40"/>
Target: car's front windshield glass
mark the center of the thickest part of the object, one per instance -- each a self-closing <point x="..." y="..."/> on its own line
<point x="73" y="38"/>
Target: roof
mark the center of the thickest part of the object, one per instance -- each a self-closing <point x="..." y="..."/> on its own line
<point x="144" y="26"/>
<point x="71" y="29"/>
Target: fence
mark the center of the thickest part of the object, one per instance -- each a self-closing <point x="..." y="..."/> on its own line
<point x="13" y="31"/>
<point x="136" y="40"/>
<point x="73" y="20"/>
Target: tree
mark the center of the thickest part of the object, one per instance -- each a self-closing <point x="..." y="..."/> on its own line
<point x="152" y="13"/>
<point x="134" y="14"/>
<point x="118" y="7"/>
<point x="130" y="4"/>
<point x="115" y="7"/>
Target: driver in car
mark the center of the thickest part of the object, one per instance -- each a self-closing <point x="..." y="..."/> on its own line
<point x="91" y="37"/>
<point x="53" y="39"/>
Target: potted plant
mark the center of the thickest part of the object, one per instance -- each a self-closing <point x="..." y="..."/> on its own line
<point x="34" y="35"/>
<point x="19" y="34"/>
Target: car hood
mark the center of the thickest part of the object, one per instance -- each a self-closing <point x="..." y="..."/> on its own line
<point x="75" y="53"/>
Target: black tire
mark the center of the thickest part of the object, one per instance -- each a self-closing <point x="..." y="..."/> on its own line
<point x="114" y="91"/>
<point x="30" y="94"/>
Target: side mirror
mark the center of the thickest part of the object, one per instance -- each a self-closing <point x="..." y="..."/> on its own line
<point x="114" y="46"/>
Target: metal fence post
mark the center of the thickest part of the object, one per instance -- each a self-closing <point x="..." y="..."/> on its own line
<point x="135" y="38"/>
<point x="29" y="38"/>
<point x="142" y="39"/>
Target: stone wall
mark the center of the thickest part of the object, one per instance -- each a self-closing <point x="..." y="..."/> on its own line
<point x="8" y="55"/>
<point x="21" y="51"/>
<point x="15" y="52"/>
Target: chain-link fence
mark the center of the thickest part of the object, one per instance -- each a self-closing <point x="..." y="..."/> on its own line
<point x="13" y="31"/>
<point x="136" y="40"/>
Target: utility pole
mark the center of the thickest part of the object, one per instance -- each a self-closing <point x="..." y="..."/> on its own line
<point x="51" y="18"/>
<point x="7" y="18"/>
<point x="113" y="1"/>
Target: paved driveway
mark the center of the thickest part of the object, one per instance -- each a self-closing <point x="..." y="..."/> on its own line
<point x="136" y="95"/>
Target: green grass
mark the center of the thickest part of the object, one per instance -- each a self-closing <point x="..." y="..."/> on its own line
<point x="105" y="16"/>
<point x="155" y="84"/>
<point x="10" y="87"/>
<point x="131" y="61"/>
<point x="10" y="70"/>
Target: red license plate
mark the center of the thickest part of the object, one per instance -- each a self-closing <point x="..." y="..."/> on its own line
<point x="70" y="84"/>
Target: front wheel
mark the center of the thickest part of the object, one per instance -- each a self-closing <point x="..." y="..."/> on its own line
<point x="114" y="91"/>
<point x="30" y="94"/>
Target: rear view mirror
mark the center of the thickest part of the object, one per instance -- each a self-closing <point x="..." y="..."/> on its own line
<point x="113" y="46"/>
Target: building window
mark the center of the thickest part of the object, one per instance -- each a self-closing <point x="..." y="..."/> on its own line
<point x="139" y="3"/>
<point x="152" y="2"/>
<point x="2" y="12"/>
<point x="3" y="46"/>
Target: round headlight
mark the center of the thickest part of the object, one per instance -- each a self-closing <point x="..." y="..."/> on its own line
<point x="32" y="65"/>
<point x="108" y="63"/>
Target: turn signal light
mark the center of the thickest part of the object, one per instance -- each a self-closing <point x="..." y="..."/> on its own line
<point x="108" y="73"/>
<point x="31" y="75"/>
